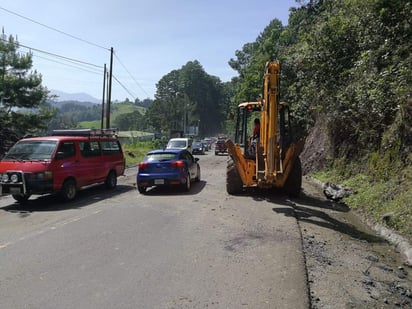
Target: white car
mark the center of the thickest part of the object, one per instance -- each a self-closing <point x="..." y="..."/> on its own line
<point x="180" y="143"/>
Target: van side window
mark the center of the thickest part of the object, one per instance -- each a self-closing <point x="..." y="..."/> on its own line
<point x="110" y="147"/>
<point x="90" y="149"/>
<point x="66" y="150"/>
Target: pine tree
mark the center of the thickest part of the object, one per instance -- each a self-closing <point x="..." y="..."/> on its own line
<point x="23" y="107"/>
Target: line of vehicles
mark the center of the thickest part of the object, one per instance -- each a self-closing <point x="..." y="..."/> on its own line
<point x="69" y="160"/>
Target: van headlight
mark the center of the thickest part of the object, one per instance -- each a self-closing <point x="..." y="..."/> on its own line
<point x="46" y="175"/>
<point x="14" y="178"/>
<point x="4" y="177"/>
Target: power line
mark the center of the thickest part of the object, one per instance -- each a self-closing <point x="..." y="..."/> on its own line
<point x="71" y="59"/>
<point x="67" y="59"/>
<point x="54" y="29"/>
<point x="130" y="75"/>
<point x="59" y="56"/>
<point x="69" y="65"/>
<point x="124" y="87"/>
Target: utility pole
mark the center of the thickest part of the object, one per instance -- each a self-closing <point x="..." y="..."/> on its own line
<point x="109" y="95"/>
<point x="103" y="96"/>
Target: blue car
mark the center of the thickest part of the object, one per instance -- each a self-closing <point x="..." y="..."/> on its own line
<point x="167" y="167"/>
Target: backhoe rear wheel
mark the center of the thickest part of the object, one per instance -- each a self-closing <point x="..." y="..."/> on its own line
<point x="234" y="184"/>
<point x="294" y="182"/>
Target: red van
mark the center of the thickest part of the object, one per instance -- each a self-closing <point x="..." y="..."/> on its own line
<point x="61" y="163"/>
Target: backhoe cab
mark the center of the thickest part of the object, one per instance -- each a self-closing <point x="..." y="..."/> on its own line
<point x="272" y="160"/>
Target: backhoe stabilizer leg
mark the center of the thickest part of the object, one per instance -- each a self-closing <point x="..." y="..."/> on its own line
<point x="246" y="168"/>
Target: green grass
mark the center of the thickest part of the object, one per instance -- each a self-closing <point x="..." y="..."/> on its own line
<point x="377" y="197"/>
<point x="116" y="110"/>
<point x="95" y="124"/>
<point x="135" y="152"/>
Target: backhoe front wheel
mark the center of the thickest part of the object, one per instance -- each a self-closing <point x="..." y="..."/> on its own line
<point x="234" y="184"/>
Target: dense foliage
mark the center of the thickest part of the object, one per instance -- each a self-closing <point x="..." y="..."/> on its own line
<point x="346" y="60"/>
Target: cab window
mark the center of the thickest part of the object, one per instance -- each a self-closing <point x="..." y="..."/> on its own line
<point x="110" y="147"/>
<point x="90" y="149"/>
<point x="66" y="150"/>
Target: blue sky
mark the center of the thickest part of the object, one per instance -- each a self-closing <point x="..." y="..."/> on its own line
<point x="150" y="38"/>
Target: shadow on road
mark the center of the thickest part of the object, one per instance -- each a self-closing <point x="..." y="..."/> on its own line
<point x="315" y="211"/>
<point x="52" y="202"/>
<point x="196" y="188"/>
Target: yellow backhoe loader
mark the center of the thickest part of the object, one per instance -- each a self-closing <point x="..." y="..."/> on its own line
<point x="271" y="158"/>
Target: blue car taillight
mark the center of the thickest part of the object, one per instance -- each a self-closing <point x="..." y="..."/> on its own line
<point x="178" y="163"/>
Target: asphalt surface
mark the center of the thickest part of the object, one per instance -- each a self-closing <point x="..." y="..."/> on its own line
<point x="165" y="249"/>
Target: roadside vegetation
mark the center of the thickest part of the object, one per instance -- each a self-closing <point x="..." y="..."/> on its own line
<point x="134" y="152"/>
<point x="381" y="190"/>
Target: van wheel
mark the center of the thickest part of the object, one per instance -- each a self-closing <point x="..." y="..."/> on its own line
<point x="69" y="190"/>
<point x="21" y="198"/>
<point x="111" y="180"/>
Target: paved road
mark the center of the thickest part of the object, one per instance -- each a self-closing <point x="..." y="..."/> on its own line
<point x="166" y="249"/>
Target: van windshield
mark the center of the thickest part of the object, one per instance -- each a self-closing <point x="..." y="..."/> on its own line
<point x="31" y="150"/>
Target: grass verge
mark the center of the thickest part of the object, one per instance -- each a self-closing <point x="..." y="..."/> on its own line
<point x="135" y="152"/>
<point x="385" y="201"/>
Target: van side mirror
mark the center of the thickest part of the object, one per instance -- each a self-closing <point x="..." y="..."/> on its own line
<point x="60" y="155"/>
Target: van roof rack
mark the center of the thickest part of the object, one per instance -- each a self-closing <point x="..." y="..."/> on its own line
<point x="86" y="132"/>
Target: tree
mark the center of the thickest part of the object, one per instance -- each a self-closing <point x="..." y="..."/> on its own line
<point x="188" y="97"/>
<point x="23" y="107"/>
<point x="130" y="121"/>
<point x="250" y="61"/>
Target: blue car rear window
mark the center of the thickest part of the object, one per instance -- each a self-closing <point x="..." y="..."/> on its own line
<point x="160" y="156"/>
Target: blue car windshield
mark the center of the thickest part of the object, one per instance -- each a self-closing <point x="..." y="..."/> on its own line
<point x="31" y="150"/>
<point x="161" y="156"/>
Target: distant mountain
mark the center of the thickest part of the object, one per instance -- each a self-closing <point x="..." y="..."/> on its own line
<point x="80" y="97"/>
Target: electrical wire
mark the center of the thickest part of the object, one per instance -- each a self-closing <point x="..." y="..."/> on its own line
<point x="71" y="59"/>
<point x="125" y="88"/>
<point x="54" y="29"/>
<point x="69" y="65"/>
<point x="63" y="57"/>
<point x="130" y="74"/>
